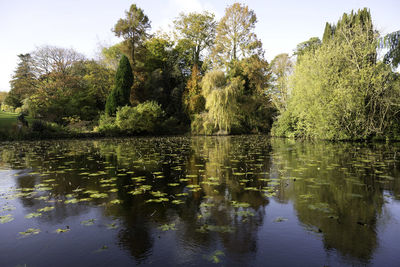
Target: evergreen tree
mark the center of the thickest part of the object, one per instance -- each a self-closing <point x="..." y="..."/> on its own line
<point x="120" y="95"/>
<point x="133" y="29"/>
<point x="328" y="33"/>
<point x="23" y="81"/>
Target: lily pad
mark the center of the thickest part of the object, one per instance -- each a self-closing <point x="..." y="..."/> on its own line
<point x="168" y="227"/>
<point x="280" y="219"/>
<point x="59" y="230"/>
<point x="30" y="231"/>
<point x="33" y="215"/>
<point x="45" y="209"/>
<point x="6" y="218"/>
<point x="88" y="222"/>
<point x="112" y="225"/>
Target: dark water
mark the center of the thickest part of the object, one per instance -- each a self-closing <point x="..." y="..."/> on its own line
<point x="203" y="201"/>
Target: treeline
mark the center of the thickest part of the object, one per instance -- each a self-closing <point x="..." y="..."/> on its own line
<point x="211" y="77"/>
<point x="340" y="89"/>
<point x="206" y="77"/>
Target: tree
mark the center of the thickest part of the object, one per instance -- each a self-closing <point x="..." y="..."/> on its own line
<point x="97" y="79"/>
<point x="254" y="104"/>
<point x="309" y="46"/>
<point x="51" y="59"/>
<point x="282" y="68"/>
<point x="340" y="91"/>
<point x="196" y="32"/>
<point x="3" y="96"/>
<point x="110" y="56"/>
<point x="221" y="97"/>
<point x="235" y="37"/>
<point x="254" y="71"/>
<point x="133" y="29"/>
<point x="23" y="83"/>
<point x="120" y="95"/>
<point x="392" y="42"/>
<point x="192" y="99"/>
<point x="328" y="33"/>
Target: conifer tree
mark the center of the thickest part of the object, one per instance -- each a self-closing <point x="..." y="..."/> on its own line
<point x="23" y="81"/>
<point x="120" y="95"/>
<point x="328" y="33"/>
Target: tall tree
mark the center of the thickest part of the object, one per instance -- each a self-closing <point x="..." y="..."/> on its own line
<point x="192" y="99"/>
<point x="23" y="81"/>
<point x="340" y="91"/>
<point x="328" y="33"/>
<point x="51" y="59"/>
<point x="281" y="67"/>
<point x="133" y="28"/>
<point x="120" y="95"/>
<point x="235" y="37"/>
<point x="221" y="100"/>
<point x="196" y="31"/>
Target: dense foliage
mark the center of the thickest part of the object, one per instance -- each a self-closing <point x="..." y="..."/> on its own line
<point x="145" y="118"/>
<point x="211" y="77"/>
<point x="120" y="95"/>
<point x="340" y="90"/>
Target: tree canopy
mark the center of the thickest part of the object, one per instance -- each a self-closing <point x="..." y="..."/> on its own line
<point x="235" y="37"/>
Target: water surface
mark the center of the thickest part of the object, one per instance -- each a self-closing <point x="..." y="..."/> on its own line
<point x="200" y="201"/>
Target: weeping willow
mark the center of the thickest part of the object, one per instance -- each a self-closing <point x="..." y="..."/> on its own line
<point x="221" y="100"/>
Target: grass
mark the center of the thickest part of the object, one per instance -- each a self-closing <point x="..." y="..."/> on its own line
<point x="8" y="119"/>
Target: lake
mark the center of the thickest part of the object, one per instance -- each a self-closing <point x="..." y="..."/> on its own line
<point x="199" y="201"/>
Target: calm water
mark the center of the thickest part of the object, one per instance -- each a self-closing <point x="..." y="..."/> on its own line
<point x="202" y="201"/>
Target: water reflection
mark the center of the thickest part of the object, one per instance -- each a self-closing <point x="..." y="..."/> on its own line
<point x="212" y="195"/>
<point x="337" y="190"/>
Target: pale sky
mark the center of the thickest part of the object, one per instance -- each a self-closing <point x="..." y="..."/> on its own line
<point x="84" y="24"/>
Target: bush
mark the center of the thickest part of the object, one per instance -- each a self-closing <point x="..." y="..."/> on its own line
<point x="144" y="118"/>
<point x="46" y="128"/>
<point x="107" y="125"/>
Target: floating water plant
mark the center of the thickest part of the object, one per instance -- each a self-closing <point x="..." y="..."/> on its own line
<point x="280" y="219"/>
<point x="88" y="222"/>
<point x="112" y="225"/>
<point x="115" y="201"/>
<point x="99" y="195"/>
<point x="71" y="201"/>
<point x="6" y="218"/>
<point x="29" y="232"/>
<point x="168" y="227"/>
<point x="8" y="208"/>
<point x="46" y="209"/>
<point x="236" y="204"/>
<point x="33" y="215"/>
<point x="59" y="230"/>
<point x="215" y="257"/>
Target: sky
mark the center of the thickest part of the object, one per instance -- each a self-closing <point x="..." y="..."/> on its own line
<point x="85" y="25"/>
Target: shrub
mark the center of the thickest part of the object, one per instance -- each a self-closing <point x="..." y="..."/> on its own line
<point x="106" y="125"/>
<point x="144" y="118"/>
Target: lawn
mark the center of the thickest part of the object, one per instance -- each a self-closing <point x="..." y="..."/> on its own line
<point x="7" y="119"/>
